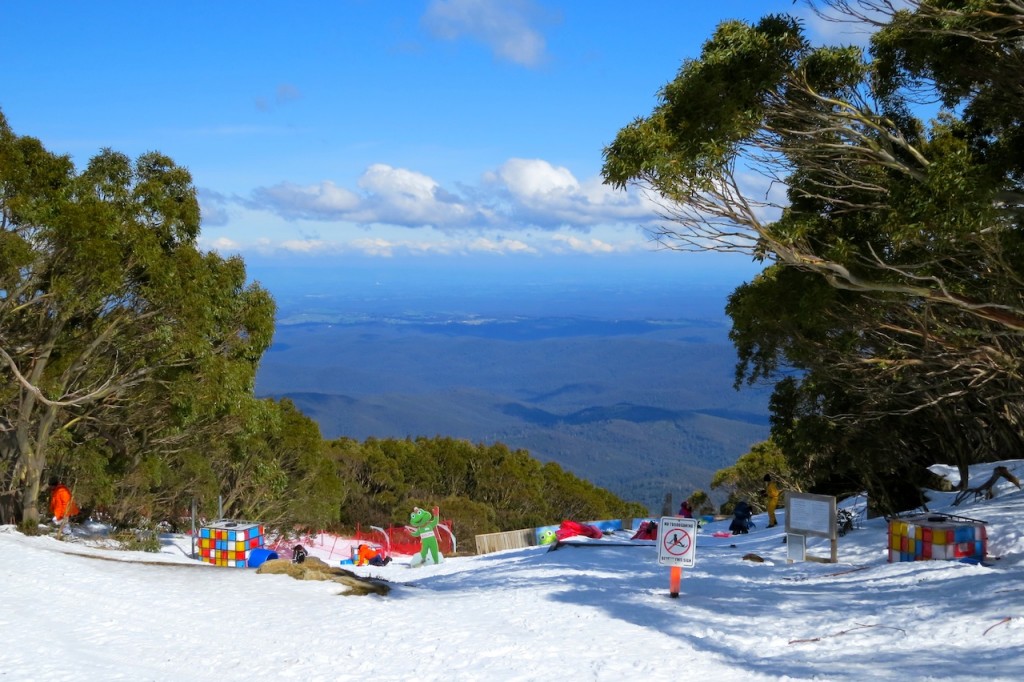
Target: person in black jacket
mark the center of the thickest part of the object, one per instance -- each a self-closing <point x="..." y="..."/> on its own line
<point x="741" y="518"/>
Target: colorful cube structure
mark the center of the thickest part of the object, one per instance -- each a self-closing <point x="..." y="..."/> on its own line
<point x="936" y="537"/>
<point x="229" y="543"/>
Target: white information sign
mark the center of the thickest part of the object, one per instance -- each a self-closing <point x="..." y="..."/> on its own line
<point x="677" y="541"/>
<point x="810" y="514"/>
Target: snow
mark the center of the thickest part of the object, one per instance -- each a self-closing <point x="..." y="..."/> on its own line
<point x="578" y="613"/>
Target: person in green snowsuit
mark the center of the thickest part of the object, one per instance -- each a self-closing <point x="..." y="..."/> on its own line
<point x="423" y="525"/>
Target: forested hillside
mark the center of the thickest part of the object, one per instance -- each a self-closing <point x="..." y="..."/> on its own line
<point x="481" y="488"/>
<point x="641" y="407"/>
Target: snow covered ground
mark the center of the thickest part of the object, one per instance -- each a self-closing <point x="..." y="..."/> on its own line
<point x="578" y="613"/>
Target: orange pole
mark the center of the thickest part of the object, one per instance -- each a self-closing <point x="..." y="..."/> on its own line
<point x="675" y="576"/>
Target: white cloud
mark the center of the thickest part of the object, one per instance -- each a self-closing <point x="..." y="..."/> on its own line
<point x="550" y="196"/>
<point x="393" y="196"/>
<point x="305" y="245"/>
<point x="578" y="245"/>
<point x="323" y="201"/>
<point x="374" y="247"/>
<point x="398" y="183"/>
<point x="520" y="195"/>
<point x="505" y="26"/>
<point x="500" y="246"/>
<point x="432" y="242"/>
<point x="533" y="178"/>
<point x="222" y="244"/>
<point x="403" y="197"/>
<point x="388" y="248"/>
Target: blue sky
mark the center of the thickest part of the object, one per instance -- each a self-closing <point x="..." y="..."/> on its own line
<point x="371" y="131"/>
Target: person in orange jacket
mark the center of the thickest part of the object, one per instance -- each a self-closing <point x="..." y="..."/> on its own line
<point x="62" y="507"/>
<point x="370" y="556"/>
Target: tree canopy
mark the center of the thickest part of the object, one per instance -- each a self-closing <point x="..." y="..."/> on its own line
<point x="484" y="488"/>
<point x="890" y="311"/>
<point x="128" y="355"/>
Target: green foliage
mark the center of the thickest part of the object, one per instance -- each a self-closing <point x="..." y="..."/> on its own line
<point x="469" y="519"/>
<point x="713" y="104"/>
<point x="890" y="315"/>
<point x="135" y="540"/>
<point x="745" y="479"/>
<point x="490" y="486"/>
<point x="129" y="356"/>
<point x="701" y="503"/>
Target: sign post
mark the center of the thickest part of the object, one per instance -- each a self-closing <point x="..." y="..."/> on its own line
<point x="809" y="515"/>
<point x="677" y="548"/>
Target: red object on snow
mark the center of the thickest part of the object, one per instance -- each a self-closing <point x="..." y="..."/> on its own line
<point x="648" y="530"/>
<point x="569" y="529"/>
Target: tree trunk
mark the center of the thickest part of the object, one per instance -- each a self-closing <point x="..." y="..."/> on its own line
<point x="965" y="474"/>
<point x="31" y="462"/>
<point x="30" y="491"/>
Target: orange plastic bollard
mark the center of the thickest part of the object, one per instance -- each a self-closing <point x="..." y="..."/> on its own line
<point x="675" y="576"/>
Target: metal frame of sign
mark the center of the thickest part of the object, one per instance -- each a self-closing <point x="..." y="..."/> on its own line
<point x="796" y="548"/>
<point x="809" y="515"/>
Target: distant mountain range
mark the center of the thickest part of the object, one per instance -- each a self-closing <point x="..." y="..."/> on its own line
<point x="641" y="407"/>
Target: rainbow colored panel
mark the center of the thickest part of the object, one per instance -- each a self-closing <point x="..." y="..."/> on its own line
<point x="229" y="543"/>
<point x="925" y="537"/>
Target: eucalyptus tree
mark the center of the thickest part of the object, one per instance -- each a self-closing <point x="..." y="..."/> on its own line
<point x="114" y="327"/>
<point x="276" y="470"/>
<point x="893" y="257"/>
